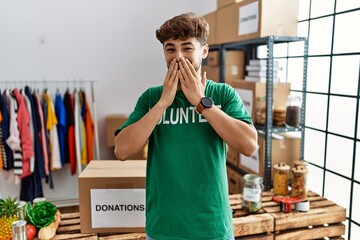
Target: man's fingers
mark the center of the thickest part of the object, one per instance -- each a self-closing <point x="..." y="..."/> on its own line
<point x="190" y="67"/>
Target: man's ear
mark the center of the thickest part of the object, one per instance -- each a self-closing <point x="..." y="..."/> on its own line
<point x="205" y="51"/>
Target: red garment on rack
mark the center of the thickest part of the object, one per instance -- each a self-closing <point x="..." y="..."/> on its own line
<point x="69" y="106"/>
<point x="23" y="119"/>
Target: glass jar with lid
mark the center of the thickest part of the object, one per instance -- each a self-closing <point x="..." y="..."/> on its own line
<point x="299" y="182"/>
<point x="252" y="191"/>
<point x="281" y="179"/>
<point x="300" y="163"/>
<point x="293" y="111"/>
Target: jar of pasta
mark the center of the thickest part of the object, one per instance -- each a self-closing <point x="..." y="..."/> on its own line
<point x="300" y="163"/>
<point x="252" y="191"/>
<point x="299" y="182"/>
<point x="281" y="178"/>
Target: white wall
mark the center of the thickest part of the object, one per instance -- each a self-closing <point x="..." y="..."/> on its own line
<point x="112" y="41"/>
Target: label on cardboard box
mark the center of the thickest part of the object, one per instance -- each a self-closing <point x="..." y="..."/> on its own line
<point x="247" y="97"/>
<point x="248" y="18"/>
<point x="116" y="208"/>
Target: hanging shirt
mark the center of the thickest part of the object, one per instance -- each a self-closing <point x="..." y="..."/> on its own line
<point x="42" y="135"/>
<point x="89" y="126"/>
<point x="77" y="118"/>
<point x="14" y="138"/>
<point x="61" y="126"/>
<point x="23" y="120"/>
<point x="1" y="145"/>
<point x="31" y="127"/>
<point x="51" y="122"/>
<point x="70" y="146"/>
<point x="8" y="157"/>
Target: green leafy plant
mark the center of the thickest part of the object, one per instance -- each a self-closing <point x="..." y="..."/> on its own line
<point x="42" y="214"/>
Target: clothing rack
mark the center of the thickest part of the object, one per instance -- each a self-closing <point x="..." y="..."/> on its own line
<point x="78" y="83"/>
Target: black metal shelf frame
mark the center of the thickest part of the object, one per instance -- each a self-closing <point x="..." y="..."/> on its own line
<point x="268" y="129"/>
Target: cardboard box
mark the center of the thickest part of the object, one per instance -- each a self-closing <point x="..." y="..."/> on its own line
<point x="112" y="123"/>
<point x="224" y="3"/>
<point x="285" y="148"/>
<point x="213" y="59"/>
<point x="234" y="65"/>
<point x="112" y="196"/>
<point x="250" y="92"/>
<point x="250" y="19"/>
<point x="211" y="20"/>
<point x="235" y="181"/>
<point x="212" y="72"/>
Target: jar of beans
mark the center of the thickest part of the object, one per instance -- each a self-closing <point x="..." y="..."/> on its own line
<point x="293" y="111"/>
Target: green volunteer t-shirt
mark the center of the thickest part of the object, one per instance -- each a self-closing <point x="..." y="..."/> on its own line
<point x="186" y="185"/>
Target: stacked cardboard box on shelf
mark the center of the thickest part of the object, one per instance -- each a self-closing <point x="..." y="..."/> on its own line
<point x="211" y="20"/>
<point x="253" y="95"/>
<point x="234" y="65"/>
<point x="249" y="19"/>
<point x="257" y="71"/>
<point x="285" y="148"/>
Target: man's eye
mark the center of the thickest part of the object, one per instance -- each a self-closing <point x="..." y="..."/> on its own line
<point x="188" y="49"/>
<point x="169" y="50"/>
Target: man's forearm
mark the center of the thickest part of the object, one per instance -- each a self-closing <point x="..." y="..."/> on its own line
<point x="134" y="137"/>
<point x="240" y="135"/>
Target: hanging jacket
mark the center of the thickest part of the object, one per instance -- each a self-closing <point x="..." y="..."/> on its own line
<point x="23" y="120"/>
<point x="36" y="124"/>
<point x="89" y="126"/>
<point x="60" y="113"/>
<point x="31" y="127"/>
<point x="42" y="135"/>
<point x="14" y="137"/>
<point x="31" y="186"/>
<point x="70" y="146"/>
<point x="6" y="152"/>
<point x="51" y="122"/>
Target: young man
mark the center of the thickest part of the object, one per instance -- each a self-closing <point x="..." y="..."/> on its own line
<point x="187" y="122"/>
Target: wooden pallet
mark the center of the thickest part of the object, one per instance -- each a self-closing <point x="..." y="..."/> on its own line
<point x="323" y="220"/>
<point x="69" y="228"/>
<point x="258" y="225"/>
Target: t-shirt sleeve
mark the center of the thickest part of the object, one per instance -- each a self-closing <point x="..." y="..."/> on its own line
<point x="141" y="108"/>
<point x="234" y="105"/>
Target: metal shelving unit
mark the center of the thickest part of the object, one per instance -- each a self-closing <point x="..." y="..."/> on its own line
<point x="250" y="46"/>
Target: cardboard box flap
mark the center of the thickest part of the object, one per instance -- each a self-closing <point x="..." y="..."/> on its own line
<point x="113" y="168"/>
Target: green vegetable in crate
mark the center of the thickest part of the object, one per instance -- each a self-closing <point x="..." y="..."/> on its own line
<point x="42" y="214"/>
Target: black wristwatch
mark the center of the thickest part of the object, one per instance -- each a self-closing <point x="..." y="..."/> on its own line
<point x="205" y="102"/>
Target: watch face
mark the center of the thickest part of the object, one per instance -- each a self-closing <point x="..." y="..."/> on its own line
<point x="207" y="102"/>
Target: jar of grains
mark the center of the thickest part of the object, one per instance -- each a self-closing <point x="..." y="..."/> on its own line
<point x="299" y="182"/>
<point x="281" y="178"/>
<point x="252" y="191"/>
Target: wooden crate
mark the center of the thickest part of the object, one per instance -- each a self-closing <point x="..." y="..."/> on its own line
<point x="69" y="228"/>
<point x="323" y="220"/>
<point x="258" y="225"/>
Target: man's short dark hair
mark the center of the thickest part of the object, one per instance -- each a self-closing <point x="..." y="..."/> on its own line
<point x="182" y="27"/>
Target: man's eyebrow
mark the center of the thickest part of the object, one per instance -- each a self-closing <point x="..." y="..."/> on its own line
<point x="187" y="43"/>
<point x="169" y="45"/>
<point x="183" y="44"/>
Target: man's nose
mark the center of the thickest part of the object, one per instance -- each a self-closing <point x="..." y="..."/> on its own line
<point x="178" y="56"/>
